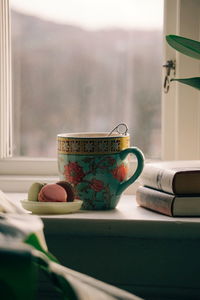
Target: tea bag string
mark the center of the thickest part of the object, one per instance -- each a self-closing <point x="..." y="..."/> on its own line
<point x="117" y="128"/>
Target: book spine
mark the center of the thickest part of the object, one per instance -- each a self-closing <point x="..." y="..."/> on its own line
<point x="158" y="178"/>
<point x="155" y="200"/>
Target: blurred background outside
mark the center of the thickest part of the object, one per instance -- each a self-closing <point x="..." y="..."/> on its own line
<point x="86" y="65"/>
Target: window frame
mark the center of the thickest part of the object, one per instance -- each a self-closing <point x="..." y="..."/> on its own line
<point x="181" y="105"/>
<point x="5" y="82"/>
<point x="180" y="139"/>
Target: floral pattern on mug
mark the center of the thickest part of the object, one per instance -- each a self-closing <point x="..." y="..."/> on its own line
<point x="107" y="162"/>
<point x="73" y="172"/>
<point x="96" y="185"/>
<point x="120" y="172"/>
<point x="96" y="179"/>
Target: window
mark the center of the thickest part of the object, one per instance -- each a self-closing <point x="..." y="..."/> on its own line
<point x="181" y="106"/>
<point x="180" y="117"/>
<point x="85" y="70"/>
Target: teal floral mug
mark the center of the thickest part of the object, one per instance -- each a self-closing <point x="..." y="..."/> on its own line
<point x="96" y="164"/>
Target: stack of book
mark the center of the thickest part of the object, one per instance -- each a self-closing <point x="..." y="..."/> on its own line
<point x="171" y="188"/>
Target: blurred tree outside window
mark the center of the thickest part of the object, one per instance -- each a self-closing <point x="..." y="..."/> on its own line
<point x="71" y="76"/>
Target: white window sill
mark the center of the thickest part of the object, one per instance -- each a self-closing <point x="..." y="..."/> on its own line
<point x="127" y="219"/>
<point x="21" y="183"/>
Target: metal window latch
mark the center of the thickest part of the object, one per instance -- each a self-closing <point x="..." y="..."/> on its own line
<point x="170" y="66"/>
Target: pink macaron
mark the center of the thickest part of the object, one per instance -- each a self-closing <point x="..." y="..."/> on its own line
<point x="52" y="193"/>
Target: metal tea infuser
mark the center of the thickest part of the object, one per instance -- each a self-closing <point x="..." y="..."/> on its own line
<point x="121" y="128"/>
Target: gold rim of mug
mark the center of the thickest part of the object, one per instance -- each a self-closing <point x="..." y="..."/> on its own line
<point x="94" y="143"/>
<point x="92" y="135"/>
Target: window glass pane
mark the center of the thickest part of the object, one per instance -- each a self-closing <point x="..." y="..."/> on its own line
<point x="86" y="65"/>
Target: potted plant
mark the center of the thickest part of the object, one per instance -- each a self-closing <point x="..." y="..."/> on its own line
<point x="190" y="48"/>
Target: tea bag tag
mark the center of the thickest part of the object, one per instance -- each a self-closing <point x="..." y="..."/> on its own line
<point x="121" y="128"/>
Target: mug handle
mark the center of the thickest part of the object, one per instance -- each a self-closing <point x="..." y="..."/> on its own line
<point x="140" y="165"/>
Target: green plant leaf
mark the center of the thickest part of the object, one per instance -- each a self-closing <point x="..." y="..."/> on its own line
<point x="186" y="46"/>
<point x="194" y="82"/>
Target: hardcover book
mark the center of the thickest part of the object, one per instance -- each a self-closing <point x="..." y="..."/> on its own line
<point x="176" y="177"/>
<point x="168" y="204"/>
